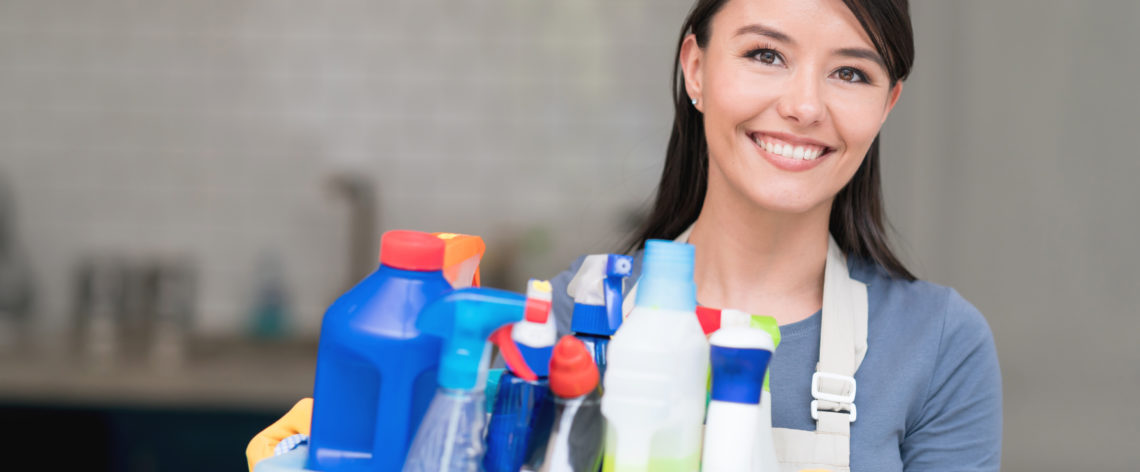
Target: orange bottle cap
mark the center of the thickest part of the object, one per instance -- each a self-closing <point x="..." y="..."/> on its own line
<point x="572" y="369"/>
<point x="411" y="250"/>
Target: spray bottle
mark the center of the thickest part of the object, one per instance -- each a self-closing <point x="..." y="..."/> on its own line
<point x="739" y="357"/>
<point x="597" y="292"/>
<point x="658" y="363"/>
<point x="523" y="401"/>
<point x="713" y="320"/>
<point x="450" y="438"/>
<point x="375" y="369"/>
<point x="574" y="442"/>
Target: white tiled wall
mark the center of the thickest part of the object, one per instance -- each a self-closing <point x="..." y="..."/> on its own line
<point x="211" y="129"/>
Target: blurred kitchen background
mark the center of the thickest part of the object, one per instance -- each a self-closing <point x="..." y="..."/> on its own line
<point x="185" y="186"/>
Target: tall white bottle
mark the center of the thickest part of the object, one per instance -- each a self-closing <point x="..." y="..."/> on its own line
<point x="654" y="400"/>
<point x="735" y="425"/>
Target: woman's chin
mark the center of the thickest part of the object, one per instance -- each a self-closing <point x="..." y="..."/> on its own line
<point x="789" y="201"/>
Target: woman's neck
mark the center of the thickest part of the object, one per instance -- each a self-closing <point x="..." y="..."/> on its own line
<point x="761" y="262"/>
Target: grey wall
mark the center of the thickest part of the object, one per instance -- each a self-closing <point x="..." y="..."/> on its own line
<point x="211" y="129"/>
<point x="1010" y="169"/>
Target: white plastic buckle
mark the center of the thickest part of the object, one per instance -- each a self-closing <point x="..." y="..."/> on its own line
<point x="846" y="402"/>
<point x="851" y="415"/>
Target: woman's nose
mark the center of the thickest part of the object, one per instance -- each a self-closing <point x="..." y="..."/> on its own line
<point x="801" y="102"/>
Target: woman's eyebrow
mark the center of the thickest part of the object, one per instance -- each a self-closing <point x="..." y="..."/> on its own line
<point x="764" y="31"/>
<point x="861" y="53"/>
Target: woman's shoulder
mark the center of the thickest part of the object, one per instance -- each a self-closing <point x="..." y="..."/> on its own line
<point x="898" y="305"/>
<point x="932" y="334"/>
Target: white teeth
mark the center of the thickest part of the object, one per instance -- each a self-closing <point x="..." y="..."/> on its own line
<point x="788" y="151"/>
<point x="805" y="153"/>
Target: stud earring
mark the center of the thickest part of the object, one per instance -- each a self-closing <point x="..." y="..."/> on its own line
<point x="694" y="102"/>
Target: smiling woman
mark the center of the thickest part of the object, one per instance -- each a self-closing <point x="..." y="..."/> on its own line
<point x="772" y="173"/>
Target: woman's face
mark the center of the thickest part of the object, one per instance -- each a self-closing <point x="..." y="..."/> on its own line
<point x="793" y="93"/>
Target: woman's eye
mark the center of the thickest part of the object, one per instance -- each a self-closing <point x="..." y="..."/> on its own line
<point x="767" y="56"/>
<point x="848" y="74"/>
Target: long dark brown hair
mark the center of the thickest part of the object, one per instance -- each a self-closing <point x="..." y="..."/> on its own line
<point x="857" y="216"/>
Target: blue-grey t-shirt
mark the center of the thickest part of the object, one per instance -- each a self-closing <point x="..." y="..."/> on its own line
<point x="928" y="391"/>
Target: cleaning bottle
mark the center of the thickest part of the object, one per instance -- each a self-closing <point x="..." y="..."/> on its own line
<point x="523" y="400"/>
<point x="573" y="443"/>
<point x="375" y="370"/>
<point x="597" y="291"/>
<point x="739" y="357"/>
<point x="450" y="438"/>
<point x="713" y="320"/>
<point x="657" y="371"/>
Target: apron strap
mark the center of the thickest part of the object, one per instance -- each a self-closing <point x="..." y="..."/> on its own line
<point x="842" y="344"/>
<point x="842" y="347"/>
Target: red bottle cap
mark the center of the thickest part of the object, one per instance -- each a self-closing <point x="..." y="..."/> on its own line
<point x="411" y="250"/>
<point x="572" y="370"/>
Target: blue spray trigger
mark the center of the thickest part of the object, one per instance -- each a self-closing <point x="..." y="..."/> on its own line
<point x="537" y="358"/>
<point x="465" y="318"/>
<point x="618" y="267"/>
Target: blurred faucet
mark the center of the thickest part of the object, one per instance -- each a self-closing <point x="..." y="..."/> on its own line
<point x="363" y="246"/>
<point x="15" y="276"/>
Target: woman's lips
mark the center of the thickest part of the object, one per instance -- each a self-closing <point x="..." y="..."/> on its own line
<point x="789" y="156"/>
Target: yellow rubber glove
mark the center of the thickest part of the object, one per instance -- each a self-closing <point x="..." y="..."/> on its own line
<point x="296" y="421"/>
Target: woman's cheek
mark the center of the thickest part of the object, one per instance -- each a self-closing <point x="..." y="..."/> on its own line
<point x="856" y="126"/>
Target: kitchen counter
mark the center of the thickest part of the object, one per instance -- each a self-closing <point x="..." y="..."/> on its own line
<point x="217" y="374"/>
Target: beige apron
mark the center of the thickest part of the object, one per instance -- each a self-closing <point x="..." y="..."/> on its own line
<point x="843" y="343"/>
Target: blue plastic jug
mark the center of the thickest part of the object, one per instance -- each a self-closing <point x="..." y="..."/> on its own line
<point x="376" y="373"/>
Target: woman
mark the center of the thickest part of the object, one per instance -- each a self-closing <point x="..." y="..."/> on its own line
<point x="772" y="174"/>
<point x="774" y="149"/>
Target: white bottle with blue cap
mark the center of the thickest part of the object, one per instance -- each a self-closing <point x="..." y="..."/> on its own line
<point x="739" y="357"/>
<point x="654" y="400"/>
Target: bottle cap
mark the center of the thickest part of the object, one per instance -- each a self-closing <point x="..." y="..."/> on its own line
<point x="667" y="276"/>
<point x="739" y="358"/>
<point x="572" y="370"/>
<point x="591" y="319"/>
<point x="411" y="250"/>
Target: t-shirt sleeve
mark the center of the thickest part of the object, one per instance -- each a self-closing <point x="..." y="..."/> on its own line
<point x="960" y="425"/>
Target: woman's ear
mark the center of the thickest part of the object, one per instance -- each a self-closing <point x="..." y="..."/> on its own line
<point x="892" y="99"/>
<point x="691" y="61"/>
